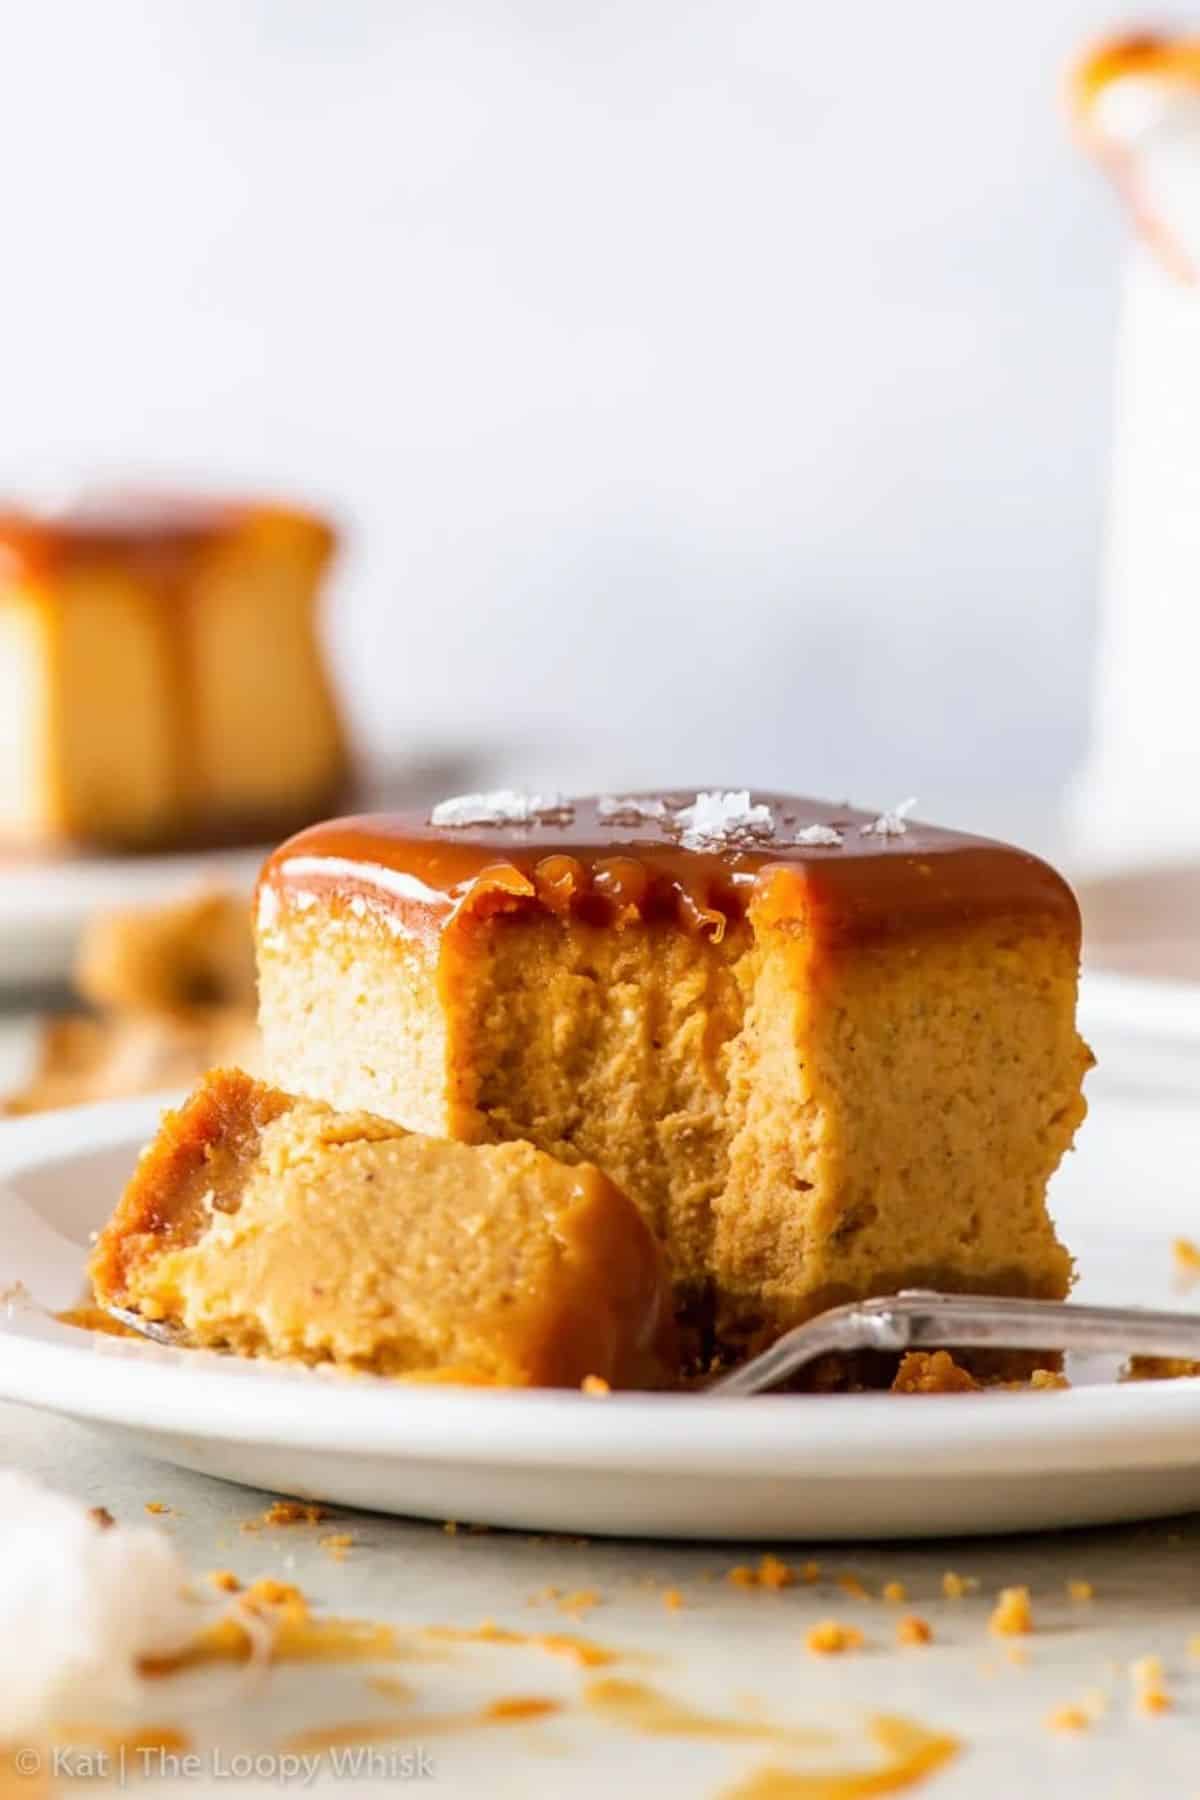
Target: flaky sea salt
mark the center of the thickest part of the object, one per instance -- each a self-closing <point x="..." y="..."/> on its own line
<point x="715" y="818"/>
<point x="891" y="824"/>
<point x="80" y="1606"/>
<point x="824" y="836"/>
<point x="503" y="807"/>
<point x="630" y="809"/>
<point x="268" y="909"/>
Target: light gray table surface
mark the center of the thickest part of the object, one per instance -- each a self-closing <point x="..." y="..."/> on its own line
<point x="734" y="1652"/>
<point x="727" y="1651"/>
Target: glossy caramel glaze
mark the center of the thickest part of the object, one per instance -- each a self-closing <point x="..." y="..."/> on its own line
<point x="153" y="531"/>
<point x="621" y="871"/>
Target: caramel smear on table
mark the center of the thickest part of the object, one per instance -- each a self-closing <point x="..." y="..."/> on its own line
<point x="272" y="1619"/>
<point x="392" y="1688"/>
<point x="301" y="1640"/>
<point x="642" y="1708"/>
<point x="584" y="1651"/>
<point x="516" y="1709"/>
<point x="15" y="1784"/>
<point x="913" y="1754"/>
<point x="116" y="1743"/>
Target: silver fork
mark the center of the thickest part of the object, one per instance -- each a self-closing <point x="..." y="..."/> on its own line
<point x="920" y="1320"/>
<point x="916" y="1319"/>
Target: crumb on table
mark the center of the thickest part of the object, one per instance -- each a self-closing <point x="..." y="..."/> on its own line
<point x="1068" y="1718"/>
<point x="772" y="1572"/>
<point x="1149" y="1685"/>
<point x="294" y="1512"/>
<point x="1187" y="1256"/>
<point x="913" y="1630"/>
<point x="894" y="1592"/>
<point x="831" y="1638"/>
<point x="1012" y="1615"/>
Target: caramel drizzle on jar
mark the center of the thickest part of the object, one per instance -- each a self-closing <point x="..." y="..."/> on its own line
<point x="1142" y="55"/>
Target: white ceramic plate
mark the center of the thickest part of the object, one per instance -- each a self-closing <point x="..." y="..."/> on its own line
<point x="776" y="1467"/>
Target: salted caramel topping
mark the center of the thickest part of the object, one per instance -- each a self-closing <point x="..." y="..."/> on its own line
<point x="617" y="869"/>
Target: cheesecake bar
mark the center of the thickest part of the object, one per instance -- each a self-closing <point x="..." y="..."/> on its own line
<point x="272" y="1226"/>
<point x="828" y="1053"/>
<point x="161" y="679"/>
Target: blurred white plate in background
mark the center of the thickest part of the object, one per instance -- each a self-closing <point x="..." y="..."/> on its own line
<point x="45" y="905"/>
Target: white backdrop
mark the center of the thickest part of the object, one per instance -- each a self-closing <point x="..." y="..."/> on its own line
<point x="717" y="391"/>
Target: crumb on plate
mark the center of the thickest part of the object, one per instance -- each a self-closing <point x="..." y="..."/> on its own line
<point x="932" y="1372"/>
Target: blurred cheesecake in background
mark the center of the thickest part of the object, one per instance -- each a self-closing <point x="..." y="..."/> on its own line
<point x="161" y="677"/>
<point x="1136" y="102"/>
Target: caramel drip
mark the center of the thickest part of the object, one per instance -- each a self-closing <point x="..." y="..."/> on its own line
<point x="1145" y="56"/>
<point x="603" y="872"/>
<point x="158" y="535"/>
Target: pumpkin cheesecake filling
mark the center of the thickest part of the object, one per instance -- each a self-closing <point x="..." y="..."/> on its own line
<point x="609" y="1088"/>
<point x="827" y="1055"/>
<point x="272" y="1226"/>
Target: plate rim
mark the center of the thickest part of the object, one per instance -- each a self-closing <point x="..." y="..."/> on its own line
<point x="123" y="1382"/>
